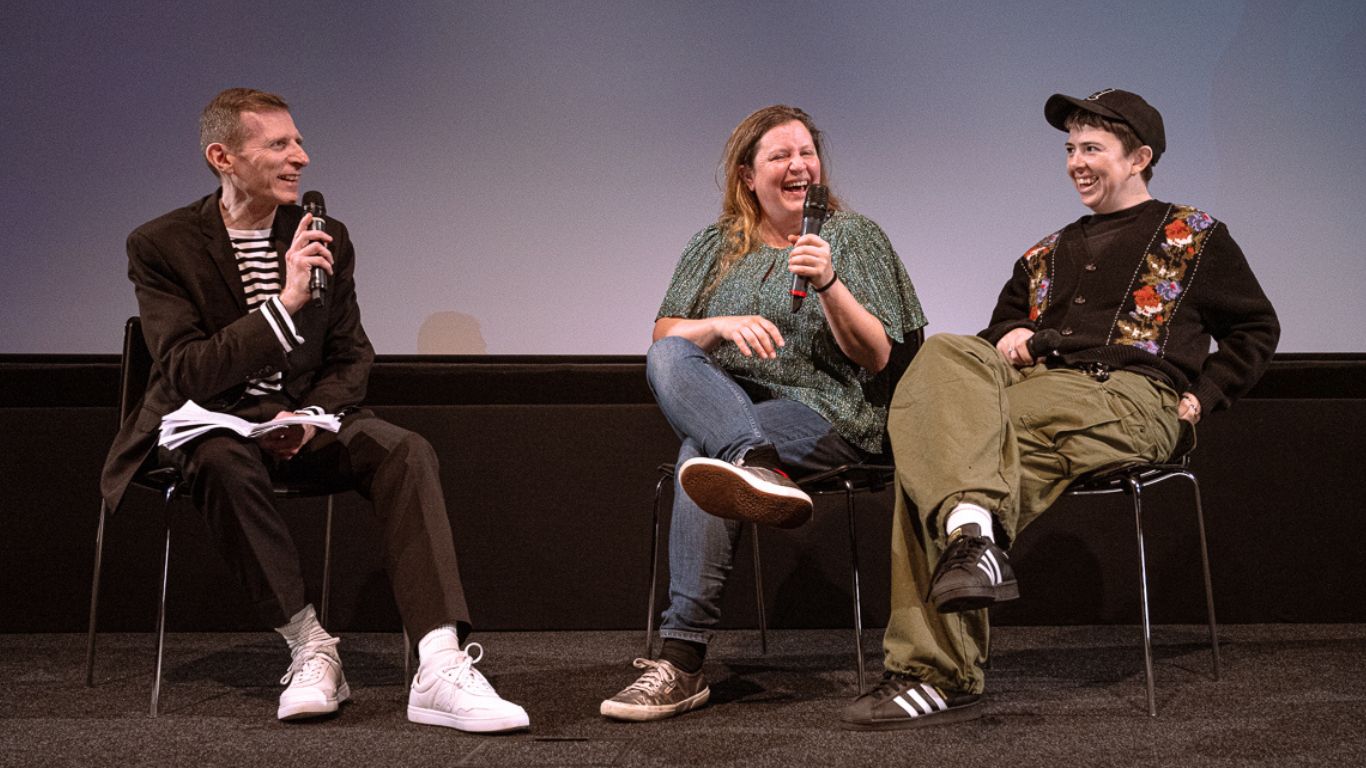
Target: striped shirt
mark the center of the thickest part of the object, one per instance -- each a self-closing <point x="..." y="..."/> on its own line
<point x="259" y="265"/>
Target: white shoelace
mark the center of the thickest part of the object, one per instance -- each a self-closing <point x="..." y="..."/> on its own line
<point x="658" y="676"/>
<point x="310" y="663"/>
<point x="463" y="673"/>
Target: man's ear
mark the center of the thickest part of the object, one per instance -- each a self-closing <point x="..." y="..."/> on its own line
<point x="218" y="157"/>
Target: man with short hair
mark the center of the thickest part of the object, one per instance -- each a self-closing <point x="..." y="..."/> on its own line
<point x="223" y="292"/>
<point x="1097" y="356"/>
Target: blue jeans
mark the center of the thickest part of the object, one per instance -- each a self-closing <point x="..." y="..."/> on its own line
<point x="714" y="417"/>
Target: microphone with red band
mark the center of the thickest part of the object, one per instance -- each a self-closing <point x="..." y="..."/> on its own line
<point x="813" y="216"/>
<point x="317" y="279"/>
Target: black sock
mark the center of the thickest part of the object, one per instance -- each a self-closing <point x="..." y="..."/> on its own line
<point x="765" y="456"/>
<point x="684" y="654"/>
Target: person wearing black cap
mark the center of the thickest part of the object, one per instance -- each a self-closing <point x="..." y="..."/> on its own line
<point x="1097" y="355"/>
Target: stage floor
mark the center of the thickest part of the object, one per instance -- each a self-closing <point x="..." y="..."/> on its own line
<point x="1290" y="695"/>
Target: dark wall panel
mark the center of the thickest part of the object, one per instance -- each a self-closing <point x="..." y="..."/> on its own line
<point x="550" y="505"/>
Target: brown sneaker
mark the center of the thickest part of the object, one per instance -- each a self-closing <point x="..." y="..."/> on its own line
<point x="739" y="492"/>
<point x="663" y="691"/>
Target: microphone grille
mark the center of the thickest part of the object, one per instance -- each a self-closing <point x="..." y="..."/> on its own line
<point x="313" y="203"/>
<point x="817" y="197"/>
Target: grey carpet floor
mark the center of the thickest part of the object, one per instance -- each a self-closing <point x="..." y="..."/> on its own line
<point x="1290" y="695"/>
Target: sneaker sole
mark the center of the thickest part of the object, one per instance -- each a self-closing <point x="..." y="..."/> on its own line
<point x="973" y="598"/>
<point x="720" y="490"/>
<point x="302" y="710"/>
<point x="640" y="713"/>
<point x="425" y="716"/>
<point x="958" y="714"/>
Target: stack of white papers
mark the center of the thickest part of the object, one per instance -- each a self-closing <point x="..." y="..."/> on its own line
<point x="190" y="421"/>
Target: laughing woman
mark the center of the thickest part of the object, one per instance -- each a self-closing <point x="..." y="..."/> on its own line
<point x="755" y="390"/>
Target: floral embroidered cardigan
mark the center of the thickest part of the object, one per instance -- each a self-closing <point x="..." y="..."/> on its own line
<point x="1150" y="302"/>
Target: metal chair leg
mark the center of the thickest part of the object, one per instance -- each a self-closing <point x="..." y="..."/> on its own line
<point x="1204" y="564"/>
<point x="759" y="589"/>
<point x="327" y="589"/>
<point x="1137" y="489"/>
<point x="654" y="571"/>
<point x="407" y="659"/>
<point x="161" y="608"/>
<point x="94" y="600"/>
<point x="853" y="567"/>
<point x="327" y="561"/>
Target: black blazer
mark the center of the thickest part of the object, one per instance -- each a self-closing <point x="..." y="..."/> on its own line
<point x="206" y="346"/>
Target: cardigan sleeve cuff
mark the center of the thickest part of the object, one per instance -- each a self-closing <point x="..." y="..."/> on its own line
<point x="1209" y="395"/>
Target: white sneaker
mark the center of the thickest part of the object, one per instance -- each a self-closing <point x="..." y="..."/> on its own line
<point x="315" y="680"/>
<point x="447" y="690"/>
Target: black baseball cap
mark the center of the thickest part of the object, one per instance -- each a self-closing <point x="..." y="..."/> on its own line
<point x="1128" y="108"/>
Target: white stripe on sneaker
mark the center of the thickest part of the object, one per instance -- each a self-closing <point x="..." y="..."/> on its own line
<point x="911" y="711"/>
<point x="990" y="567"/>
<point x="933" y="693"/>
<point x="921" y="700"/>
<point x="928" y="700"/>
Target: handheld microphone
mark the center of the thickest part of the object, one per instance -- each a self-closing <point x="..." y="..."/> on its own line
<point x="813" y="216"/>
<point x="317" y="279"/>
<point x="1044" y="344"/>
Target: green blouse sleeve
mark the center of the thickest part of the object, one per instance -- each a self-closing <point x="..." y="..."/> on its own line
<point x="873" y="273"/>
<point x="691" y="275"/>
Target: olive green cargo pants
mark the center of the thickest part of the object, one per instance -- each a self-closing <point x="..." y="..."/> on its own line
<point x="966" y="426"/>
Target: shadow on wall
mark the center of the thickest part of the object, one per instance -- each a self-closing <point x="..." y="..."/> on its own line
<point x="450" y="333"/>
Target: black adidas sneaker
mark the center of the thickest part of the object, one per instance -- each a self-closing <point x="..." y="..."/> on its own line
<point x="901" y="701"/>
<point x="972" y="573"/>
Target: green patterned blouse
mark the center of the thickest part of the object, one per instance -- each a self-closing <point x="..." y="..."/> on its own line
<point x="810" y="369"/>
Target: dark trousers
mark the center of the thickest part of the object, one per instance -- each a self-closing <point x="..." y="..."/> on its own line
<point x="231" y="478"/>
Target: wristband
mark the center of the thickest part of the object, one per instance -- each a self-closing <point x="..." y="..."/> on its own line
<point x="833" y="277"/>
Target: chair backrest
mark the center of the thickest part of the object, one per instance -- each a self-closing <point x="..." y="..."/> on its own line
<point x="134" y="369"/>
<point x="902" y="354"/>
<point x="900" y="360"/>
